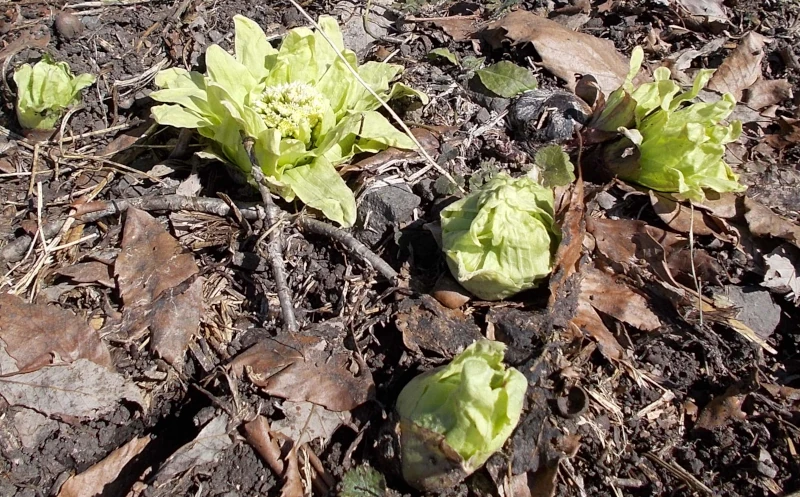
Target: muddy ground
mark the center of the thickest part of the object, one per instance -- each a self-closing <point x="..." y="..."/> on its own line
<point x="703" y="402"/>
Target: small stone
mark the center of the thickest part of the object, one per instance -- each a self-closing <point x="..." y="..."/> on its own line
<point x="68" y="25"/>
<point x="383" y="206"/>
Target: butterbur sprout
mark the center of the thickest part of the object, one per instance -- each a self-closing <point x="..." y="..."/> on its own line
<point x="679" y="147"/>
<point x="45" y="90"/>
<point x="500" y="240"/>
<point x="300" y="103"/>
<point x="454" y="417"/>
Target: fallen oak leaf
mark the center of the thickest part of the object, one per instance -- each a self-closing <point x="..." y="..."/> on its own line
<point x="762" y="221"/>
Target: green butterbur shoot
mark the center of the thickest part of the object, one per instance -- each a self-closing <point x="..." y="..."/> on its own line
<point x="454" y="417"/>
<point x="45" y="90"/>
<point x="500" y="240"/>
<point x="679" y="147"/>
<point x="300" y="104"/>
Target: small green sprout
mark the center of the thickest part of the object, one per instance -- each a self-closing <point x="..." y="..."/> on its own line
<point x="300" y="103"/>
<point x="454" y="417"/>
<point x="680" y="147"/>
<point x="500" y="240"/>
<point x="45" y="90"/>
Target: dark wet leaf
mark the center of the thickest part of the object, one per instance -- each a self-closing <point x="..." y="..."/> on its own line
<point x="429" y="326"/>
<point x="36" y="335"/>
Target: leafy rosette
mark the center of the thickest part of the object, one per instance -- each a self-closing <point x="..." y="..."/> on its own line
<point x="500" y="240"/>
<point x="454" y="417"/>
<point x="679" y="147"/>
<point x="45" y="90"/>
<point x="304" y="109"/>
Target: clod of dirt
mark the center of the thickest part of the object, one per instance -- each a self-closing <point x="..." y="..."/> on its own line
<point x="384" y="205"/>
<point x="68" y="25"/>
<point x="547" y="115"/>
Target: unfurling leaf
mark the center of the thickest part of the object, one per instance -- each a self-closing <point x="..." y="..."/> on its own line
<point x="454" y="417"/>
<point x="45" y="90"/>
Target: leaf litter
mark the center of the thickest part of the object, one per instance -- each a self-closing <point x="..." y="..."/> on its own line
<point x="642" y="343"/>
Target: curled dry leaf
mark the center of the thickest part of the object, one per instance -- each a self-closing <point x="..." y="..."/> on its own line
<point x="684" y="219"/>
<point x="206" y="448"/>
<point x="722" y="409"/>
<point x="762" y="221"/>
<point x="563" y="52"/>
<point x="712" y="9"/>
<point x="617" y="300"/>
<point x="89" y="272"/>
<point x="34" y="335"/>
<point x="570" y="213"/>
<point x="158" y="285"/>
<point x="308" y="368"/>
<point x="94" y="480"/>
<point x="80" y="390"/>
<point x="588" y="322"/>
<point x="742" y="67"/>
<point x="305" y="422"/>
<point x="766" y="92"/>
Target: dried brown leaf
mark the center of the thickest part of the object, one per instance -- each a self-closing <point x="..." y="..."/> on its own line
<point x="617" y="300"/>
<point x="742" y="67"/>
<point x="589" y="322"/>
<point x="762" y="221"/>
<point x="206" y="448"/>
<point x="93" y="481"/>
<point x="766" y="92"/>
<point x="722" y="409"/>
<point x="305" y="422"/>
<point x="257" y="434"/>
<point x="459" y="28"/>
<point x="679" y="217"/>
<point x="563" y="52"/>
<point x="573" y="227"/>
<point x="307" y="368"/>
<point x="80" y="390"/>
<point x="89" y="272"/>
<point x="292" y="483"/>
<point x="158" y="285"/>
<point x="36" y="335"/>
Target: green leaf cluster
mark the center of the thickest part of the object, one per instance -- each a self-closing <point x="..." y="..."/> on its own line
<point x="45" y="90"/>
<point x="680" y="147"/>
<point x="473" y="403"/>
<point x="302" y="106"/>
<point x="500" y="239"/>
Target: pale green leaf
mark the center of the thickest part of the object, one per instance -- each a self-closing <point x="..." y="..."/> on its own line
<point x="506" y="79"/>
<point x="319" y="186"/>
<point x="227" y="72"/>
<point x="252" y="47"/>
<point x="177" y="116"/>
